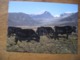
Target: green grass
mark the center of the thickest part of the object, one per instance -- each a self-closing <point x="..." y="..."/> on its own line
<point x="45" y="45"/>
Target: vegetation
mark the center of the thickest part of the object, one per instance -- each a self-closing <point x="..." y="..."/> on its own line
<point x="45" y="45"/>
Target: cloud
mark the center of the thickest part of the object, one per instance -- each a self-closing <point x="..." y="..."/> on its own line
<point x="40" y="12"/>
<point x="56" y="15"/>
<point x="68" y="12"/>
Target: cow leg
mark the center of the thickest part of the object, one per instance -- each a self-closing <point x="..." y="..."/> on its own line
<point x="37" y="39"/>
<point x="56" y="36"/>
<point x="28" y="40"/>
<point x="20" y="40"/>
<point x="8" y="35"/>
<point x="16" y="40"/>
<point x="67" y="36"/>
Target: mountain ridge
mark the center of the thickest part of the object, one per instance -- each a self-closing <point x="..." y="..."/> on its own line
<point x="46" y="18"/>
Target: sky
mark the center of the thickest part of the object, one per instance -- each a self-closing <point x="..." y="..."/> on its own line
<point x="39" y="7"/>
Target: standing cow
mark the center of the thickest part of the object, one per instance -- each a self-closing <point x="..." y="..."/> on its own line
<point x="48" y="31"/>
<point x="63" y="30"/>
<point x="26" y="35"/>
<point x="41" y="31"/>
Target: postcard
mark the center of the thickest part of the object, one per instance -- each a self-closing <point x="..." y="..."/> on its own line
<point x="42" y="27"/>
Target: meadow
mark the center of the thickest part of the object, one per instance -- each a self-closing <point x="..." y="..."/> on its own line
<point x="46" y="45"/>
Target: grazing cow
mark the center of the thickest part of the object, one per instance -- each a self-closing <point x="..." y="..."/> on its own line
<point x="26" y="35"/>
<point x="12" y="31"/>
<point x="41" y="31"/>
<point x="48" y="31"/>
<point x="63" y="30"/>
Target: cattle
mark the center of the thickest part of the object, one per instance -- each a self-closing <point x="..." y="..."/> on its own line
<point x="41" y="31"/>
<point x="26" y="35"/>
<point x="48" y="31"/>
<point x="12" y="31"/>
<point x="63" y="30"/>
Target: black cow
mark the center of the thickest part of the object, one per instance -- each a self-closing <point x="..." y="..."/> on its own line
<point x="26" y="35"/>
<point x="41" y="31"/>
<point x="12" y="31"/>
<point x="63" y="30"/>
<point x="48" y="31"/>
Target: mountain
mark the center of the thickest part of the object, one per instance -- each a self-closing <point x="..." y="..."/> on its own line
<point x="44" y="19"/>
<point x="70" y="20"/>
<point x="66" y="19"/>
<point x="66" y="14"/>
<point x="20" y="19"/>
<point x="45" y="15"/>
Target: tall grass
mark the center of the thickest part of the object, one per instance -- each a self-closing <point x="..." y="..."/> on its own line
<point x="45" y="45"/>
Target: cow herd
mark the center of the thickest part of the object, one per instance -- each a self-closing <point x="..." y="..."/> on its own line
<point x="29" y="34"/>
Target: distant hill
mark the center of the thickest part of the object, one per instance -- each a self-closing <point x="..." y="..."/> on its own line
<point x="45" y="15"/>
<point x="71" y="20"/>
<point x="21" y="19"/>
<point x="44" y="19"/>
<point x="66" y="19"/>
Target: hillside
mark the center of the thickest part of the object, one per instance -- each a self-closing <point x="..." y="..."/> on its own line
<point x="44" y="19"/>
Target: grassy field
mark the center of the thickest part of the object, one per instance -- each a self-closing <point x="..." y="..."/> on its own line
<point x="45" y="45"/>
